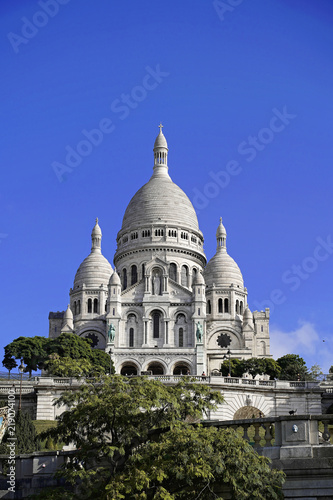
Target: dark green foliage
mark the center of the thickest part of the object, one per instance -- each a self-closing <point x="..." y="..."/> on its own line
<point x="67" y="355"/>
<point x="253" y="366"/>
<point x="293" y="367"/>
<point x="196" y="463"/>
<point x="9" y="362"/>
<point x="31" y="349"/>
<point x="133" y="441"/>
<point x="25" y="434"/>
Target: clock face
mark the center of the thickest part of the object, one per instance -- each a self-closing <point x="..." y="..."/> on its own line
<point x="92" y="336"/>
<point x="223" y="340"/>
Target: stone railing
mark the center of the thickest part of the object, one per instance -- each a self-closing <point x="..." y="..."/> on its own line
<point x="285" y="436"/>
<point x="235" y="381"/>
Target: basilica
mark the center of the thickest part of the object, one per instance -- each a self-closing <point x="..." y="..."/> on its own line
<point x="163" y="309"/>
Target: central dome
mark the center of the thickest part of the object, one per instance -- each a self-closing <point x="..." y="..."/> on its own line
<point x="160" y="200"/>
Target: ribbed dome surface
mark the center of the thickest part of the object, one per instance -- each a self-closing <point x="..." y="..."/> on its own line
<point x="160" y="201"/>
<point x="94" y="271"/>
<point x="223" y="271"/>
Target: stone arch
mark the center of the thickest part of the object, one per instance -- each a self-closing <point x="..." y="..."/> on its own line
<point x="173" y="271"/>
<point x="129" y="368"/>
<point x="246" y="412"/>
<point x="236" y="338"/>
<point x="157" y="367"/>
<point x="182" y="367"/>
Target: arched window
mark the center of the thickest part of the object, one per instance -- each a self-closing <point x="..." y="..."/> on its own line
<point x="143" y="268"/>
<point x="95" y="306"/>
<point x="263" y="347"/>
<point x="220" y="306"/>
<point x="134" y="274"/>
<point x="131" y="337"/>
<point x="194" y="275"/>
<point x="124" y="279"/>
<point x="75" y="308"/>
<point x="89" y="305"/>
<point x="106" y="306"/>
<point x="241" y="307"/>
<point x="226" y="305"/>
<point x="237" y="306"/>
<point x="181" y="337"/>
<point x="184" y="276"/>
<point x="209" y="307"/>
<point x="79" y="306"/>
<point x="173" y="272"/>
<point x="156" y="325"/>
<point x="262" y="328"/>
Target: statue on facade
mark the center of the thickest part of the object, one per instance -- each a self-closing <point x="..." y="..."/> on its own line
<point x="111" y="333"/>
<point x="199" y="332"/>
<point x="156" y="284"/>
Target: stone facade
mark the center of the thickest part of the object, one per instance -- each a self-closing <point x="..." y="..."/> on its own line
<point x="163" y="308"/>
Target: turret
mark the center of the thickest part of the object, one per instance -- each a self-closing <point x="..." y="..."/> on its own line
<point x="160" y="154"/>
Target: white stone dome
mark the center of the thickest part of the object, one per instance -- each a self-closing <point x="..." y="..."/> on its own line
<point x="160" y="201"/>
<point x="115" y="279"/>
<point x="95" y="270"/>
<point x="222" y="270"/>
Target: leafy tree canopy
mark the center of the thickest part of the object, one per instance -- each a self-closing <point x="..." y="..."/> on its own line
<point x="25" y="434"/>
<point x="253" y="366"/>
<point x="134" y="440"/>
<point x="66" y="355"/>
<point x="31" y="349"/>
<point x="293" y="367"/>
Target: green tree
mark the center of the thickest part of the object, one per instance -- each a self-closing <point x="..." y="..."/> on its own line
<point x="254" y="366"/>
<point x="31" y="349"/>
<point x="9" y="363"/>
<point x="196" y="463"/>
<point x="25" y="434"/>
<point x="66" y="355"/>
<point x="67" y="367"/>
<point x="315" y="372"/>
<point x="138" y="431"/>
<point x="237" y="367"/>
<point x="293" y="367"/>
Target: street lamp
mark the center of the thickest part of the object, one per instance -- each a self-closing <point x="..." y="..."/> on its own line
<point x="225" y="357"/>
<point x="110" y="352"/>
<point x="21" y="369"/>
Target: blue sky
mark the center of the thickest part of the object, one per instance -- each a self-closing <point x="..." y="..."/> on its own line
<point x="244" y="91"/>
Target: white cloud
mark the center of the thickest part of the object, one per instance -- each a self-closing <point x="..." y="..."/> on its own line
<point x="305" y="341"/>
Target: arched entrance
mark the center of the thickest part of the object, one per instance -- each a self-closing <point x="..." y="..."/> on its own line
<point x="128" y="369"/>
<point x="248" y="412"/>
<point x="156" y="368"/>
<point x="181" y="369"/>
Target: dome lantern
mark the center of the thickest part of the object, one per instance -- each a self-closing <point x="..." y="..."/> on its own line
<point x="221" y="237"/>
<point x="96" y="238"/>
<point x="160" y="154"/>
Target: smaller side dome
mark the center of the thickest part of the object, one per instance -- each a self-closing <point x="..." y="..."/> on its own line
<point x="222" y="270"/>
<point x="67" y="320"/>
<point x="95" y="270"/>
<point x="248" y="317"/>
<point x="68" y="314"/>
<point x="247" y="314"/>
<point x="115" y="279"/>
<point x="199" y="279"/>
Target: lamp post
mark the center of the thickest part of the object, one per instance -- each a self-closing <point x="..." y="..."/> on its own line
<point x="110" y="352"/>
<point x="21" y="369"/>
<point x="225" y="357"/>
